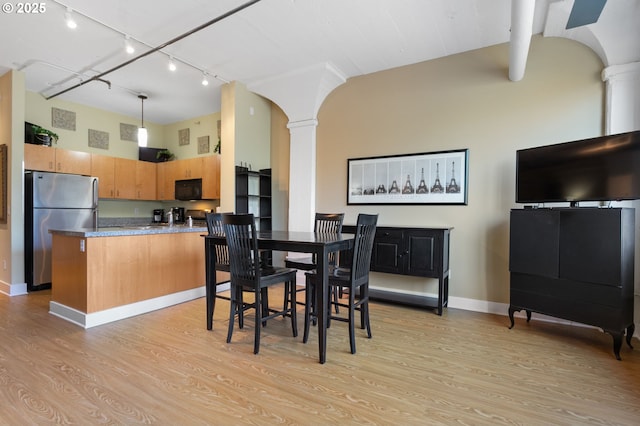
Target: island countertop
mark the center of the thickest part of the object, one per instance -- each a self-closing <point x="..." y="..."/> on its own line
<point x="118" y="231"/>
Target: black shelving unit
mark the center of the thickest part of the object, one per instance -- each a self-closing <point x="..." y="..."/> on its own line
<point x="253" y="195"/>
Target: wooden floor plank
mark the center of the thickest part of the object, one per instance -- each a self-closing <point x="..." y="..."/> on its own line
<point x="166" y="368"/>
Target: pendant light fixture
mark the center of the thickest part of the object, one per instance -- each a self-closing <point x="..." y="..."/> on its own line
<point x="142" y="131"/>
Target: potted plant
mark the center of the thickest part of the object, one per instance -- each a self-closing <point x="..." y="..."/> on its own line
<point x="44" y="136"/>
<point x="165" y="155"/>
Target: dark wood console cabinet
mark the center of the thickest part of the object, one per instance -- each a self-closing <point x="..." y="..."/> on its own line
<point x="576" y="264"/>
<point x="420" y="252"/>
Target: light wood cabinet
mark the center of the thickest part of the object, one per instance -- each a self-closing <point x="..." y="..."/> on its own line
<point x="190" y="168"/>
<point x="92" y="274"/>
<point x="145" y="180"/>
<point x="122" y="178"/>
<point x="74" y="162"/>
<point x="38" y="157"/>
<point x="166" y="180"/>
<point x="103" y="167"/>
<point x="211" y="177"/>
<point x="48" y="159"/>
<point x="205" y="168"/>
<point x="125" y="178"/>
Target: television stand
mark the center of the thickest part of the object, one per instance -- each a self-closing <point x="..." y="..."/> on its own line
<point x="576" y="264"/>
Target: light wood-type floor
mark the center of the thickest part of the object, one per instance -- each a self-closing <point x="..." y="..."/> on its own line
<point x="166" y="368"/>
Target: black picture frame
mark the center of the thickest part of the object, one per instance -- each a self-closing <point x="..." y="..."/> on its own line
<point x="3" y="183"/>
<point x="439" y="177"/>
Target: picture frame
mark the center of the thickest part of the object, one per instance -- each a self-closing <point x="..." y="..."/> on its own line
<point x="439" y="177"/>
<point x="3" y="183"/>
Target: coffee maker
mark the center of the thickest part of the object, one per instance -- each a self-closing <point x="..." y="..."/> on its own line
<point x="158" y="215"/>
<point x="178" y="214"/>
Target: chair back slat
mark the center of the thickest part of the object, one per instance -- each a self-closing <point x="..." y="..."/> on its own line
<point x="242" y="242"/>
<point x="214" y="226"/>
<point x="363" y="247"/>
<point x="328" y="223"/>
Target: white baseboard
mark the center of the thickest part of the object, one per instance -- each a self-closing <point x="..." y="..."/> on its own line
<point x="13" y="289"/>
<point x="121" y="312"/>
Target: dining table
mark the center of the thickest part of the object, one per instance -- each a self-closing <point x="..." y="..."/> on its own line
<point x="318" y="243"/>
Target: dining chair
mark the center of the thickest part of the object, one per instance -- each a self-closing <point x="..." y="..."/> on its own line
<point x="214" y="227"/>
<point x="328" y="223"/>
<point x="354" y="279"/>
<point x="248" y="274"/>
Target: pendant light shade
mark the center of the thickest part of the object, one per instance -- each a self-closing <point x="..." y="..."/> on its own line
<point x="142" y="131"/>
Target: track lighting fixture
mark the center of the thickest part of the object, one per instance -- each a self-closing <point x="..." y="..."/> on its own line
<point x="205" y="81"/>
<point x="68" y="18"/>
<point x="128" y="47"/>
<point x="172" y="64"/>
<point x="142" y="131"/>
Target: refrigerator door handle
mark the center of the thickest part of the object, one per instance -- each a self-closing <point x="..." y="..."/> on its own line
<point x="95" y="192"/>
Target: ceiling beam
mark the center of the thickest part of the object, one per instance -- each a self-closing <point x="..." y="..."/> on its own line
<point x="522" y="12"/>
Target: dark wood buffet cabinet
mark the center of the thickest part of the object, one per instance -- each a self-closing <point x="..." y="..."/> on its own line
<point x="576" y="264"/>
<point x="420" y="252"/>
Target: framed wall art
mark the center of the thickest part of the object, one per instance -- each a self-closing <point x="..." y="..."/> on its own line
<point x="425" y="178"/>
<point x="3" y="183"/>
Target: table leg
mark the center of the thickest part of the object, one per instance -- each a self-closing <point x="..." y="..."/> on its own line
<point x="210" y="280"/>
<point x="322" y="295"/>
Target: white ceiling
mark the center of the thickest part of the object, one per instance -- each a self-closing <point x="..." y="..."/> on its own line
<point x="265" y="39"/>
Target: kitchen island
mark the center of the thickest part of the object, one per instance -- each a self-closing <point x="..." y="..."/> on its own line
<point x="107" y="274"/>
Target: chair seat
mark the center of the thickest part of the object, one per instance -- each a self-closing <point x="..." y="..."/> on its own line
<point x="335" y="273"/>
<point x="301" y="263"/>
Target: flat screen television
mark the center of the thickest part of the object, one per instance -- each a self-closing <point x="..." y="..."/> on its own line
<point x="605" y="168"/>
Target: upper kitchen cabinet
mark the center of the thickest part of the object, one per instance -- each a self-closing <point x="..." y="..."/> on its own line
<point x="103" y="167"/>
<point x="205" y="168"/>
<point x="47" y="159"/>
<point x="165" y="181"/>
<point x="190" y="168"/>
<point x="145" y="180"/>
<point x="125" y="178"/>
<point x="211" y="177"/>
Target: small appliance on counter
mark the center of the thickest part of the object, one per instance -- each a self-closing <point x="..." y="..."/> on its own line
<point x="198" y="217"/>
<point x="158" y="215"/>
<point x="178" y="215"/>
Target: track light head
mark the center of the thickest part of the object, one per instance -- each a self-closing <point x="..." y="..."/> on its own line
<point x="128" y="47"/>
<point x="68" y="18"/>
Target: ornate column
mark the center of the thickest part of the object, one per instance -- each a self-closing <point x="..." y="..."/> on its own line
<point x="622" y="109"/>
<point x="300" y="94"/>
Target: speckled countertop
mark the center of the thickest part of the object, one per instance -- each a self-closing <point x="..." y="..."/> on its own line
<point x="117" y="231"/>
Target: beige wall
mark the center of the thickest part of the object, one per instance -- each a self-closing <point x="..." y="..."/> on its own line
<point x="462" y="101"/>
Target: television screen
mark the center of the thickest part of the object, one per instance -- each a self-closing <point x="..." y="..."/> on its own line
<point x="605" y="168"/>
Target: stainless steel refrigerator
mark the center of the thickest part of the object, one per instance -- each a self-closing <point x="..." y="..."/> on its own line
<point x="54" y="201"/>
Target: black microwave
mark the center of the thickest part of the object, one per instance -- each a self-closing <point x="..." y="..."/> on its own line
<point x="188" y="189"/>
